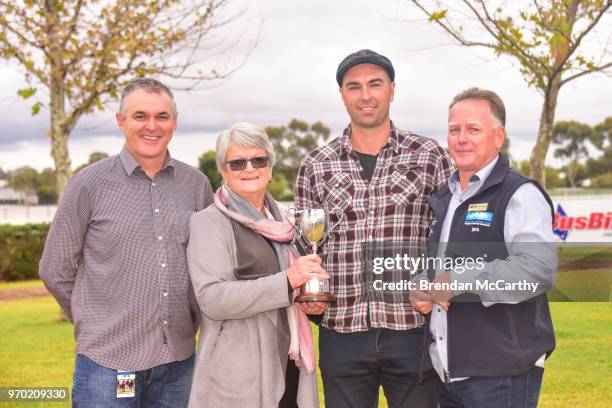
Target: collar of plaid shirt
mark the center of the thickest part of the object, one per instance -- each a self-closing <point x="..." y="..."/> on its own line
<point x="346" y="144"/>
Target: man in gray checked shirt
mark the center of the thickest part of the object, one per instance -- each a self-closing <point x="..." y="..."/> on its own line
<point x="115" y="261"/>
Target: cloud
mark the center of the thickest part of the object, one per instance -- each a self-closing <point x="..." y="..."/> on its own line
<point x="291" y="74"/>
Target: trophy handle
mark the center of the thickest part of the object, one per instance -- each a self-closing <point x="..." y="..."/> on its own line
<point x="339" y="213"/>
<point x="293" y="213"/>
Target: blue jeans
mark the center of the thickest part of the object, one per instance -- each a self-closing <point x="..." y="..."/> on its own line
<point x="355" y="365"/>
<point x="166" y="385"/>
<point x="519" y="391"/>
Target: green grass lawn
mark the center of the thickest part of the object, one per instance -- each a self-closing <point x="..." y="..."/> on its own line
<point x="35" y="350"/>
<point x="20" y="284"/>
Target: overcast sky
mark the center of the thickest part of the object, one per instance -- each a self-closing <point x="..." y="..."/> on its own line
<point x="291" y="74"/>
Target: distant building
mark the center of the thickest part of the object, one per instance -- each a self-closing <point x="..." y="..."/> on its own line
<point x="31" y="198"/>
<point x="8" y="196"/>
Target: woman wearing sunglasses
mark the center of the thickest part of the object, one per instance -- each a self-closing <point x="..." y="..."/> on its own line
<point x="255" y="347"/>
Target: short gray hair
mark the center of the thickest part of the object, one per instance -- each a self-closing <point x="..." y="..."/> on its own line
<point x="147" y="84"/>
<point x="246" y="135"/>
<point x="495" y="102"/>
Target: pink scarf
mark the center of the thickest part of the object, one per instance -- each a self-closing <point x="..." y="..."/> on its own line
<point x="301" y="347"/>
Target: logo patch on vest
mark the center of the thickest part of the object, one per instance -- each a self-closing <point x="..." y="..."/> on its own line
<point x="478" y="207"/>
<point x="484" y="218"/>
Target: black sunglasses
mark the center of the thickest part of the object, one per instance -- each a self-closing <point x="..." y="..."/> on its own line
<point x="258" y="162"/>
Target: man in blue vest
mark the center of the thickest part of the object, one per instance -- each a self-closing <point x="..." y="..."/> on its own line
<point x="489" y="320"/>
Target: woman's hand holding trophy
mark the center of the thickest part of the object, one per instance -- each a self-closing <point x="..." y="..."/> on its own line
<point x="313" y="224"/>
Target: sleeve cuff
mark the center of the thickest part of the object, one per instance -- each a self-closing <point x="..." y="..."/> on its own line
<point x="289" y="288"/>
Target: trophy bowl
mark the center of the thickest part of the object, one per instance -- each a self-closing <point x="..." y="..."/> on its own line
<point x="312" y="224"/>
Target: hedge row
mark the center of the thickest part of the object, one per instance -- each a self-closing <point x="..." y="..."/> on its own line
<point x="20" y="249"/>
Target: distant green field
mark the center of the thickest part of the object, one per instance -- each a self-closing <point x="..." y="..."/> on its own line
<point x="35" y="350"/>
<point x="20" y="284"/>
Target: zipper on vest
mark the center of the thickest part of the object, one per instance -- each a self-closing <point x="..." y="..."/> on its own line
<point x="424" y="349"/>
<point x="447" y="375"/>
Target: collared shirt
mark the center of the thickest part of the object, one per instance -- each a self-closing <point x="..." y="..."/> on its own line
<point x="392" y="206"/>
<point x="523" y="223"/>
<point x="115" y="261"/>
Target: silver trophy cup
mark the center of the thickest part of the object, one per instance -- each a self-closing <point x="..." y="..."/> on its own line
<point x="312" y="224"/>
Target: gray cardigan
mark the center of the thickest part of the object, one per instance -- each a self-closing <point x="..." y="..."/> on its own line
<point x="237" y="361"/>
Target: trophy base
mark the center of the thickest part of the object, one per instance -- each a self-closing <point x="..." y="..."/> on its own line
<point x="315" y="297"/>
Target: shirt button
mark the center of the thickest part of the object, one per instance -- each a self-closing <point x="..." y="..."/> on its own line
<point x="165" y="322"/>
<point x="440" y="338"/>
<point x="153" y="184"/>
<point x="166" y="294"/>
<point x="156" y="210"/>
<point x="370" y="238"/>
<point x="160" y="237"/>
<point x="163" y="265"/>
<point x="372" y="212"/>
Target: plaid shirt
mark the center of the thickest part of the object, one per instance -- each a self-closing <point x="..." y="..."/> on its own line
<point x="391" y="207"/>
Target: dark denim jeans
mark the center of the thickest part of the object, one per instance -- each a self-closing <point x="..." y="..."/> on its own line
<point x="355" y="365"/>
<point x="166" y="385"/>
<point x="519" y="391"/>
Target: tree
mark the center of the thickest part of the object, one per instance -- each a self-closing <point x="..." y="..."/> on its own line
<point x="24" y="179"/>
<point x="604" y="132"/>
<point x="505" y="149"/>
<point x="93" y="157"/>
<point x="207" y="163"/>
<point x="28" y="179"/>
<point x="97" y="156"/>
<point x="602" y="181"/>
<point x="544" y="37"/>
<point x="293" y="142"/>
<point x="279" y="187"/>
<point x="83" y="51"/>
<point x="572" y="138"/>
<point x="47" y="187"/>
<point x="553" y="176"/>
<point x="602" y="166"/>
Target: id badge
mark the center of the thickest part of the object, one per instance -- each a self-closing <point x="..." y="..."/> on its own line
<point x="126" y="384"/>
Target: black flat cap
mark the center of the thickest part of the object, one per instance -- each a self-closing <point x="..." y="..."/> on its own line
<point x="364" y="57"/>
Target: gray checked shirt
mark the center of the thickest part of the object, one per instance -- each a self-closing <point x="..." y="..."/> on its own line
<point x="115" y="261"/>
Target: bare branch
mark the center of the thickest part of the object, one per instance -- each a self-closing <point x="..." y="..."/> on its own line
<point x="589" y="28"/>
<point x="599" y="68"/>
<point x="502" y="36"/>
<point x="73" y="23"/>
<point x="20" y="34"/>
<point x="452" y="32"/>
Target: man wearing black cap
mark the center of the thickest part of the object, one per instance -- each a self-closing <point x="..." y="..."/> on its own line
<point x="380" y="177"/>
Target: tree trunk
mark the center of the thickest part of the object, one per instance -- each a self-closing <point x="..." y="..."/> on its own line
<point x="537" y="160"/>
<point x="59" y="129"/>
<point x="572" y="169"/>
<point x="59" y="152"/>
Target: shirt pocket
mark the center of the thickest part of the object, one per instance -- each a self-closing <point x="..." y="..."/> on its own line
<point x="339" y="191"/>
<point x="406" y="184"/>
